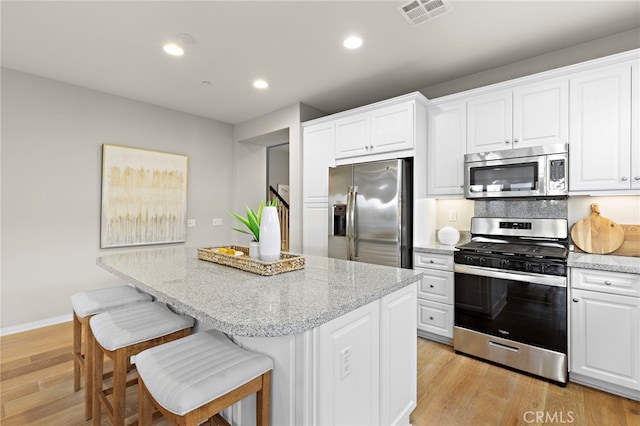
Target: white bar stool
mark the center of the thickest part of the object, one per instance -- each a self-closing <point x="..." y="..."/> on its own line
<point x="194" y="378"/>
<point x="122" y="333"/>
<point x="85" y="305"/>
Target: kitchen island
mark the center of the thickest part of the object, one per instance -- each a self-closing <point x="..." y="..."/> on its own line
<point x="342" y="334"/>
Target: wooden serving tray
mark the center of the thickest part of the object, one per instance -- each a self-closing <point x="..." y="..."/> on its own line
<point x="288" y="262"/>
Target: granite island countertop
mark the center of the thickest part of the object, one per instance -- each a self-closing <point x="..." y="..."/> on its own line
<point x="245" y="304"/>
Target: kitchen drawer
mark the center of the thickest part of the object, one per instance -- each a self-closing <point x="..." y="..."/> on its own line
<point x="606" y="281"/>
<point x="433" y="261"/>
<point x="436" y="318"/>
<point x="436" y="286"/>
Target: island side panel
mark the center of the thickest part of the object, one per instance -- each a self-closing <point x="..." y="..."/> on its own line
<point x="398" y="356"/>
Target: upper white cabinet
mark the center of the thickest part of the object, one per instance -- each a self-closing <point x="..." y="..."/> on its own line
<point x="317" y="148"/>
<point x="529" y="115"/>
<point x="600" y="153"/>
<point x="446" y="146"/>
<point x="353" y="136"/>
<point x="378" y="131"/>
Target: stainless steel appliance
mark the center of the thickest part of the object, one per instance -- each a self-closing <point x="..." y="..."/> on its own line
<point x="511" y="295"/>
<point x="540" y="171"/>
<point x="370" y="212"/>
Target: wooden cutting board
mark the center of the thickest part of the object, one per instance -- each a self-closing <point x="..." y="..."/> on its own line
<point x="631" y="244"/>
<point x="597" y="234"/>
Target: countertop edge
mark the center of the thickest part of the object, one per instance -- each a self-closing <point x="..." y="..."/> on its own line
<point x="603" y="262"/>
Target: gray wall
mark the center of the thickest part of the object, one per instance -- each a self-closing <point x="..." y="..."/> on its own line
<point x="52" y="134"/>
<point x="605" y="46"/>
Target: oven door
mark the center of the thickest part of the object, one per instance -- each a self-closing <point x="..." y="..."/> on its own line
<point x="517" y="306"/>
<point x="514" y="177"/>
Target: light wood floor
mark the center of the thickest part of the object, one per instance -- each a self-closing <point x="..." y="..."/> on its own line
<point x="36" y="388"/>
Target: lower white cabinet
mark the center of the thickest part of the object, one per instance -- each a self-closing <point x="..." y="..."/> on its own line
<point x="435" y="296"/>
<point x="605" y="330"/>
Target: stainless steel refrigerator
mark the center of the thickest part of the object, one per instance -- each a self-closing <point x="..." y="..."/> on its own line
<point x="370" y="212"/>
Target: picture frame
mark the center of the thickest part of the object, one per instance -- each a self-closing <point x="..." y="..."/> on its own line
<point x="144" y="197"/>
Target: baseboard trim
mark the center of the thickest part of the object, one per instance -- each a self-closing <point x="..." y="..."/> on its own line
<point x="5" y="331"/>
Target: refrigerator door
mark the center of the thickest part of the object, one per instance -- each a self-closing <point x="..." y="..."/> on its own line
<point x="340" y="180"/>
<point x="378" y="223"/>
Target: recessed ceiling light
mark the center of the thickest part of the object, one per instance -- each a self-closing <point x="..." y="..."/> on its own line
<point x="173" y="49"/>
<point x="260" y="84"/>
<point x="352" y="42"/>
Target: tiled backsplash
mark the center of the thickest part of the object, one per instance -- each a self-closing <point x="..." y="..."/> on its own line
<point x="528" y="209"/>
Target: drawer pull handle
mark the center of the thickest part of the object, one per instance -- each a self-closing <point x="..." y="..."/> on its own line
<point x="431" y="318"/>
<point x="607" y="283"/>
<point x="430" y="285"/>
<point x="430" y="261"/>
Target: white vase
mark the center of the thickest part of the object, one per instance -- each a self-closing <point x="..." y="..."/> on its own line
<point x="254" y="250"/>
<point x="269" y="235"/>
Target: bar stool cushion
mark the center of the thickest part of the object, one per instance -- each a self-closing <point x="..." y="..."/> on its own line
<point x="103" y="299"/>
<point x="187" y="373"/>
<point x="136" y="323"/>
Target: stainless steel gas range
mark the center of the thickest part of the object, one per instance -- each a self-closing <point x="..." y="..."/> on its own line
<point x="511" y="295"/>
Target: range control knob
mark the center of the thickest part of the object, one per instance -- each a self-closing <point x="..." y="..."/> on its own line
<point x="504" y="263"/>
<point x="483" y="260"/>
<point x="526" y="266"/>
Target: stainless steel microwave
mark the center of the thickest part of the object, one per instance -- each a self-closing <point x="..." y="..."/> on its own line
<point x="540" y="171"/>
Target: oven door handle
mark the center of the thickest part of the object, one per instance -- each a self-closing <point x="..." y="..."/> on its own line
<point x="552" y="280"/>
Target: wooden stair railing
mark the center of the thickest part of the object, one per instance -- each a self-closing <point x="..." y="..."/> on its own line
<point x="283" y="215"/>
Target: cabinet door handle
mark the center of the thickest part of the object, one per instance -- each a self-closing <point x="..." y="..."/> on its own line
<point x="516" y="140"/>
<point x="636" y="178"/>
<point x="507" y="141"/>
<point x="462" y="186"/>
<point x="607" y="283"/>
<point x="575" y="299"/>
<point x="624" y="178"/>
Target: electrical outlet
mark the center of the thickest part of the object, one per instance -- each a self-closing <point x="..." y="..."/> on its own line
<point x="191" y="223"/>
<point x="453" y="215"/>
<point x="217" y="221"/>
<point x="345" y="362"/>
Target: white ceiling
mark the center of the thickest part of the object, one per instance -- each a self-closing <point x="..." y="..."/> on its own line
<point x="116" y="47"/>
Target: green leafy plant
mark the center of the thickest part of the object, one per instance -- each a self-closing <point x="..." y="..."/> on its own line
<point x="252" y="221"/>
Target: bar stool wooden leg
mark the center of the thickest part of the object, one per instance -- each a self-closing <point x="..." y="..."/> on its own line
<point x="77" y="352"/>
<point x="88" y="368"/>
<point x="98" y="365"/>
<point x="263" y="401"/>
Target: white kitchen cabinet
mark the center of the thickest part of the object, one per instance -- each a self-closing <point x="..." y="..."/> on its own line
<point x="435" y="296"/>
<point x="315" y="229"/>
<point x="381" y="130"/>
<point x="446" y="146"/>
<point x="635" y="125"/>
<point x="392" y="128"/>
<point x="353" y="136"/>
<point x="529" y="115"/>
<point x="367" y="363"/>
<point x="605" y="330"/>
<point x="317" y="152"/>
<point x="601" y="122"/>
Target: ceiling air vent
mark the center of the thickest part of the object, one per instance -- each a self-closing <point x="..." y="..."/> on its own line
<point x="419" y="11"/>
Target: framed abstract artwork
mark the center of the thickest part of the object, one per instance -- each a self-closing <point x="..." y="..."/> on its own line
<point x="144" y="197"/>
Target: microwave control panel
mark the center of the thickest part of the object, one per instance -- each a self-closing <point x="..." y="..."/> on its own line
<point x="557" y="174"/>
